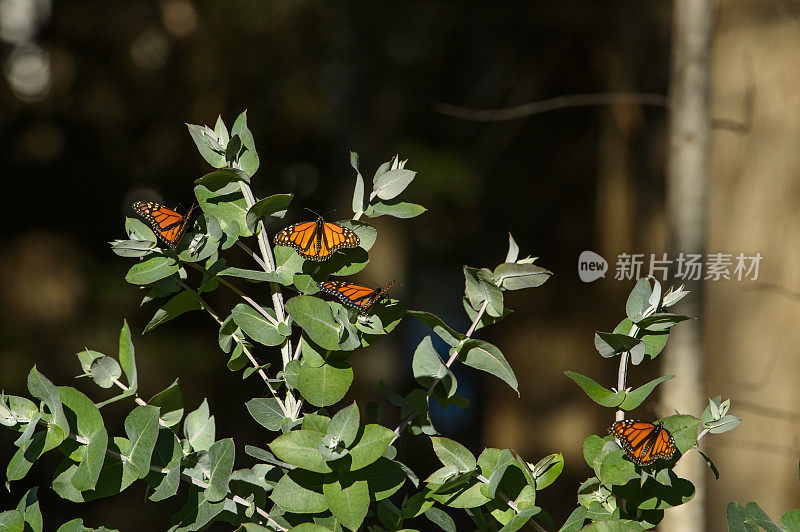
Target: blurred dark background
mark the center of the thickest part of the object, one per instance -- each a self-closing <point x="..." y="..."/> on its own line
<point x="92" y="110"/>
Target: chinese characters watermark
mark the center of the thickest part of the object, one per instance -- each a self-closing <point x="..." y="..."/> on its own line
<point x="684" y="267"/>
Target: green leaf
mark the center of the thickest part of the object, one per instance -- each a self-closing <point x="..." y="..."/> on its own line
<point x="86" y="357"/>
<point x="197" y="512"/>
<point x="299" y="448"/>
<point x="29" y="508"/>
<point x="710" y="464"/>
<point x="486" y="357"/>
<point x="453" y="453"/>
<point x="315" y="317"/>
<point x="141" y="427"/>
<point x="151" y="270"/>
<point x="683" y="429"/>
<point x="316" y="422"/>
<point x="547" y="470"/>
<point x="127" y="359"/>
<point x="199" y="428"/>
<point x="255" y="325"/>
<point x="441" y="519"/>
<point x="104" y="371"/>
<point x="390" y="184"/>
<point x="170" y="403"/>
<point x="275" y="206"/>
<point x="267" y="412"/>
<point x="480" y="287"/>
<point x="230" y="209"/>
<point x="597" y="393"/>
<point x="296" y="498"/>
<point x="575" y="520"/>
<point x="12" y="521"/>
<point x="115" y="475"/>
<point x="654" y="342"/>
<point x="615" y="469"/>
<point x="313" y="355"/>
<point x="24" y="458"/>
<point x="400" y="209"/>
<point x="248" y="159"/>
<point x="638" y="300"/>
<point x="442" y="330"/>
<point x="185" y="301"/>
<point x="44" y="390"/>
<point x="384" y="477"/>
<point x="513" y="250"/>
<point x="201" y="140"/>
<point x="427" y="367"/>
<point x="661" y="321"/>
<point x="519" y="520"/>
<point x="349" y="504"/>
<point x="292" y="373"/>
<point x="221" y="131"/>
<point x="232" y="150"/>
<point x="132" y="248"/>
<point x="498" y="471"/>
<point x="166" y="455"/>
<point x="358" y="192"/>
<point x="610" y="344"/>
<point x="221" y="455"/>
<point x="327" y="384"/>
<point x="520" y="276"/>
<point x="344" y="425"/>
<point x="724" y="424"/>
<point x="636" y="397"/>
<point x="223" y="181"/>
<point x="736" y="519"/>
<point x="374" y="441"/>
<point x="791" y="520"/>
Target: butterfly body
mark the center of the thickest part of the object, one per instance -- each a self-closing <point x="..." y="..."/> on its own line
<point x="168" y="225"/>
<point x="317" y="240"/>
<point x="354" y="295"/>
<point x="643" y="442"/>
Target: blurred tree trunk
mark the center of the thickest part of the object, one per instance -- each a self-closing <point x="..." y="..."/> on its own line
<point x="687" y="180"/>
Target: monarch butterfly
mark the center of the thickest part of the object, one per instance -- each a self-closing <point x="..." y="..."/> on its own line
<point x="360" y="297"/>
<point x="317" y="240"/>
<point x="644" y="442"/>
<point x="168" y="224"/>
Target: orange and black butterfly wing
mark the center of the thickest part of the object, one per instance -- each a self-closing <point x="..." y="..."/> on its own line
<point x="317" y="240"/>
<point x="635" y="437"/>
<point x="167" y="224"/>
<point x="334" y="237"/>
<point x="643" y="442"/>
<point x="350" y="294"/>
<point x="664" y="445"/>
<point x="303" y="237"/>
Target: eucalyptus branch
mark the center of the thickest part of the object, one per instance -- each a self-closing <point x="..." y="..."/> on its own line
<point x="407" y="421"/>
<point x="196" y="481"/>
<point x="138" y="400"/>
<point x="622" y="373"/>
<point x="269" y="266"/>
<point x="253" y="255"/>
<point x="244" y="347"/>
<point x="239" y="293"/>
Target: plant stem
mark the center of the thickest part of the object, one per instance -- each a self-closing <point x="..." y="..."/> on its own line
<point x="139" y="400"/>
<point x="238" y="292"/>
<point x="292" y="405"/>
<point x="407" y="421"/>
<point x="253" y="255"/>
<point x="245" y="350"/>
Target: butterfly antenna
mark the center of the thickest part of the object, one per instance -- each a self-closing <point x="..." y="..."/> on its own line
<point x="314" y="212"/>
